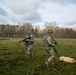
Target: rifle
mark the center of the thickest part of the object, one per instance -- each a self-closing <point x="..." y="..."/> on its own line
<point x="54" y="41"/>
<point x="56" y="51"/>
<point x="55" y="48"/>
<point x="24" y="40"/>
<point x="18" y="42"/>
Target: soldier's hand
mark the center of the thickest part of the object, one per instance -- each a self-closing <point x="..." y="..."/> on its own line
<point x="20" y="41"/>
<point x="55" y="43"/>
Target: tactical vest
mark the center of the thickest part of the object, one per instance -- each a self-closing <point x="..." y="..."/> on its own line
<point x="27" y="42"/>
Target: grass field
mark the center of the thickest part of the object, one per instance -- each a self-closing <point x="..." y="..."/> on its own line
<point x="14" y="62"/>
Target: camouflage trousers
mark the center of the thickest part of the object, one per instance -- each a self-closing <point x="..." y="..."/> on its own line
<point x="50" y="52"/>
<point x="29" y="51"/>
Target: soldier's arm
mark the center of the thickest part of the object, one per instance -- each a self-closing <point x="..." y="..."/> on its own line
<point x="54" y="41"/>
<point x="50" y="42"/>
<point x="22" y="40"/>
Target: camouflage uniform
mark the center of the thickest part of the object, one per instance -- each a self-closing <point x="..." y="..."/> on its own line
<point x="49" y="43"/>
<point x="29" y="41"/>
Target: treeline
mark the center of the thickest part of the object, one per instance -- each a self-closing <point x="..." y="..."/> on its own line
<point x="60" y="32"/>
<point x="21" y="30"/>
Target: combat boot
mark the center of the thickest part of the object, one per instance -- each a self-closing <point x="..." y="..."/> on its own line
<point x="46" y="63"/>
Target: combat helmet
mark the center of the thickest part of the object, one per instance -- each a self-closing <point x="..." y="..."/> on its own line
<point x="49" y="31"/>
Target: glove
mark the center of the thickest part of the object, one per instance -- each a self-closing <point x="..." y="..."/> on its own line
<point x="55" y="43"/>
<point x="20" y="41"/>
<point x="50" y="45"/>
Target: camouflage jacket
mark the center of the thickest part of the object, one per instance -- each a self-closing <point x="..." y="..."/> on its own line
<point x="48" y="41"/>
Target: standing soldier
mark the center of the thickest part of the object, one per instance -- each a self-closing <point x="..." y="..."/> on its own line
<point x="29" y="41"/>
<point x="49" y="44"/>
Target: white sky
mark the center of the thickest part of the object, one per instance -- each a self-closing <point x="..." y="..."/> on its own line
<point x="38" y="11"/>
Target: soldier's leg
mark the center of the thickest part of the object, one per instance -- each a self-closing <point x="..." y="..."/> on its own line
<point x="51" y="57"/>
<point x="29" y="51"/>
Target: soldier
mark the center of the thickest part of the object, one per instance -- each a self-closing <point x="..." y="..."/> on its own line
<point x="49" y="44"/>
<point x="29" y="41"/>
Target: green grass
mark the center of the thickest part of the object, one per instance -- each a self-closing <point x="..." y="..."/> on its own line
<point x="14" y="62"/>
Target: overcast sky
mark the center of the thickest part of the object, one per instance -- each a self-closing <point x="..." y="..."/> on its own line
<point x="38" y="11"/>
